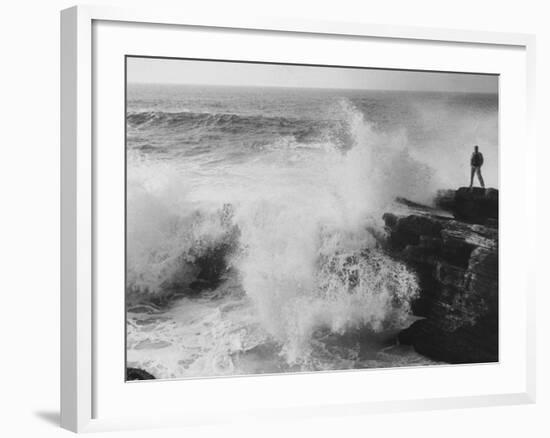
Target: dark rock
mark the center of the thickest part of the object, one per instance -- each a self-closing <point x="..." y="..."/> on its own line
<point x="484" y="261"/>
<point x="465" y="345"/>
<point x="138" y="374"/>
<point x="456" y="249"/>
<point x="390" y="220"/>
<point x="492" y="222"/>
<point x="408" y="230"/>
<point x="456" y="262"/>
<point x="449" y="275"/>
<point x="419" y="254"/>
<point x="407" y="336"/>
<point x="420" y="226"/>
<point x="475" y="205"/>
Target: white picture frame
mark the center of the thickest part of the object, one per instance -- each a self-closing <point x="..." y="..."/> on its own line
<point x="79" y="198"/>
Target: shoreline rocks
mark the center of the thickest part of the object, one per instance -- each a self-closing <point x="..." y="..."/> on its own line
<point x="475" y="205"/>
<point x="456" y="261"/>
<point x="138" y="374"/>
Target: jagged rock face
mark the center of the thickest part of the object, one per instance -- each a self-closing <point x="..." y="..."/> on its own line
<point x="457" y="267"/>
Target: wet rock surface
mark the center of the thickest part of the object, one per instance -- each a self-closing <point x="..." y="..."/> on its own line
<point x="456" y="261"/>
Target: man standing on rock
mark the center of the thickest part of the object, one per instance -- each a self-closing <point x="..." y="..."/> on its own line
<point x="476" y="162"/>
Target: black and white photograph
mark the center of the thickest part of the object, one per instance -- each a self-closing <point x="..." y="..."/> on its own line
<point x="286" y="218"/>
<point x="275" y="219"/>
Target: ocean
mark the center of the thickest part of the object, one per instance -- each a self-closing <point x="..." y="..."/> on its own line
<point x="254" y="223"/>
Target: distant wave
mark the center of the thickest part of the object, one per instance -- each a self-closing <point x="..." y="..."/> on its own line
<point x="156" y="118"/>
<point x="230" y="123"/>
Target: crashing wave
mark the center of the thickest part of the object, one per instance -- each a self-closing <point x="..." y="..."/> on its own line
<point x="295" y="234"/>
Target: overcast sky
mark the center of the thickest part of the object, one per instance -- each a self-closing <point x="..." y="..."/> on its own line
<point x="179" y="71"/>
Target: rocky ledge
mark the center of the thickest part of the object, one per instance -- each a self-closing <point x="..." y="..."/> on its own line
<point x="474" y="205"/>
<point x="454" y="251"/>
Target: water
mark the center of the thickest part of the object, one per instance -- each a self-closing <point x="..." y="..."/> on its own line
<point x="254" y="216"/>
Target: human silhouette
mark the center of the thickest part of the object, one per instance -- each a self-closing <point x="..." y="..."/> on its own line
<point x="476" y="162"/>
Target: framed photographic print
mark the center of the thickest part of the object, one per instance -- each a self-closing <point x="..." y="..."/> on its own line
<point x="258" y="208"/>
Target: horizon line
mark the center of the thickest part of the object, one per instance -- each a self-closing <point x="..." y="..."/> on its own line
<point x="314" y="88"/>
